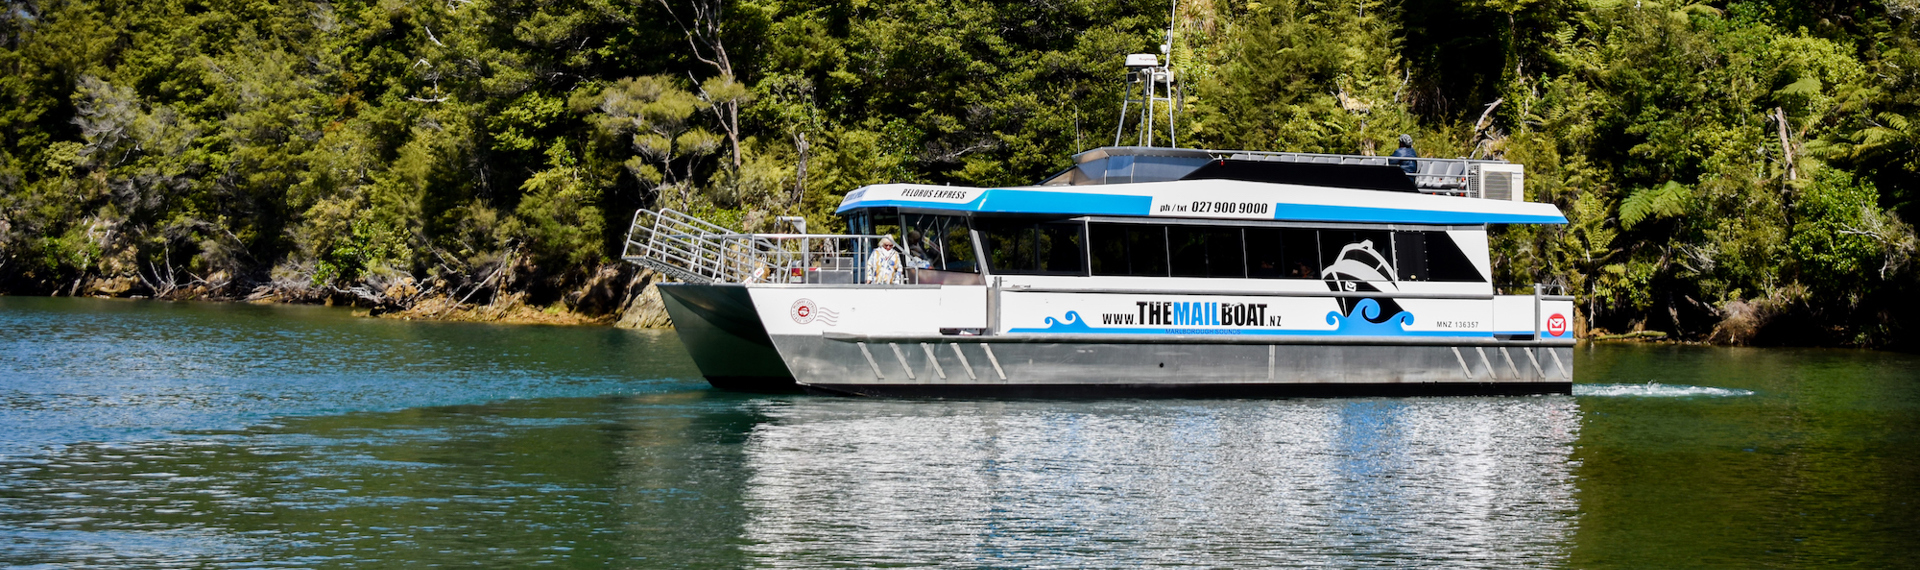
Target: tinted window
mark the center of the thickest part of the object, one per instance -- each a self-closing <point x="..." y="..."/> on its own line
<point x="937" y="242"/>
<point x="1128" y="249"/>
<point x="959" y="243"/>
<point x="1276" y="253"/>
<point x="1205" y="251"/>
<point x="1009" y="245"/>
<point x="1059" y="248"/>
<point x="1016" y="247"/>
<point x="1432" y="256"/>
<point x="884" y="222"/>
<point x="1410" y="256"/>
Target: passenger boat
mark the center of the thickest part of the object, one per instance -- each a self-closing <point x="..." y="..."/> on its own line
<point x="1139" y="271"/>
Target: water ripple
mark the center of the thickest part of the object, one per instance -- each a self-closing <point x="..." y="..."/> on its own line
<point x="1656" y="390"/>
<point x="93" y="370"/>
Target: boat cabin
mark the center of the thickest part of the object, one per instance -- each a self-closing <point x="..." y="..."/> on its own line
<point x="1139" y="213"/>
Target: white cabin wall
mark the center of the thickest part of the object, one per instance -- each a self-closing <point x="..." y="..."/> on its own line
<point x="869" y="310"/>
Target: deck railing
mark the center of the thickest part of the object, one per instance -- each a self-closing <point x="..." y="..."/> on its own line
<point x="1449" y="176"/>
<point x="694" y="250"/>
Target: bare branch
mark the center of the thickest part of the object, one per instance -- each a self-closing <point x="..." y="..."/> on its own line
<point x="1485" y="116"/>
<point x="1404" y="79"/>
<point x="505" y="262"/>
<point x="705" y="31"/>
<point x="693" y="40"/>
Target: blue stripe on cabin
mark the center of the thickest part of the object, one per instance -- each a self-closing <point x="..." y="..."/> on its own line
<point x="1020" y="201"/>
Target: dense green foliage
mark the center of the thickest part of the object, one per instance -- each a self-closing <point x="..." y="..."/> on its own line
<point x="1730" y="169"/>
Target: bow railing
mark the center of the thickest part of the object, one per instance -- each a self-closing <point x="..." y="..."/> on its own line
<point x="695" y="250"/>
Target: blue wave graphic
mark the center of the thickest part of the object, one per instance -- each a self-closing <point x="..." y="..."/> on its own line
<point x="1356" y="325"/>
<point x="1069" y="323"/>
<point x="1361" y="322"/>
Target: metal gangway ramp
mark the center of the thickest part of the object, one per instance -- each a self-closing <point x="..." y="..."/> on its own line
<point x="693" y="250"/>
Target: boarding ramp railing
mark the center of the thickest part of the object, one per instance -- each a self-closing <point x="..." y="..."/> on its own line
<point x="690" y="249"/>
<point x="1445" y="176"/>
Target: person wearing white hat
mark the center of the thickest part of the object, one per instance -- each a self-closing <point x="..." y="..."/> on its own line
<point x="884" y="265"/>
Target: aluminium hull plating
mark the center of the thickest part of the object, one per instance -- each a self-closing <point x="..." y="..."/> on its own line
<point x="728" y="341"/>
<point x="1182" y="367"/>
<point x="723" y="334"/>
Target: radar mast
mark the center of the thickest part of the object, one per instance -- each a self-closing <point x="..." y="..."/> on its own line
<point x="1152" y="91"/>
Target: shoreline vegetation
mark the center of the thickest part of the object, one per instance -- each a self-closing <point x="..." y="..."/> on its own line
<point x="1734" y="172"/>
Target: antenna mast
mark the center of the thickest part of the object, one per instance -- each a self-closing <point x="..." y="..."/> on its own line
<point x="1156" y="93"/>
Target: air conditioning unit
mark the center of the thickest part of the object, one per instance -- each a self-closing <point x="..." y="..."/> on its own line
<point x="1498" y="182"/>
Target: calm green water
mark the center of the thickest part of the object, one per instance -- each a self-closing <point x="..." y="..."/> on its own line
<point x="156" y="435"/>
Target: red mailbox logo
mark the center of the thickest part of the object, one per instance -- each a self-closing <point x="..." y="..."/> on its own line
<point x="802" y="311"/>
<point x="1557" y="324"/>
<point x="806" y="311"/>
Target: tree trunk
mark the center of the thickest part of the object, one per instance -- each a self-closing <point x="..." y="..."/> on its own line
<point x="800" y="172"/>
<point x="1786" y="146"/>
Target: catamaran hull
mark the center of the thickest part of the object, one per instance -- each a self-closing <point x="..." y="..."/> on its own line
<point x="724" y="333"/>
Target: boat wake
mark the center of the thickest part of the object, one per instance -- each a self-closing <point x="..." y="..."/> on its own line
<point x="1656" y="390"/>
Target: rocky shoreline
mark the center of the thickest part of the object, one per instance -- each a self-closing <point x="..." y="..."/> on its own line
<point x="617" y="297"/>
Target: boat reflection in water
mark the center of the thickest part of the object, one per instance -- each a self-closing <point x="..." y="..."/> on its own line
<point x="1453" y="481"/>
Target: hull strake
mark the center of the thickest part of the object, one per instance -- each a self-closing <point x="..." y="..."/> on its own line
<point x="982" y="366"/>
<point x="1196" y="390"/>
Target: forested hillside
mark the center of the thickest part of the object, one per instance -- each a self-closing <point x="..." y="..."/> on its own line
<point x="1738" y="172"/>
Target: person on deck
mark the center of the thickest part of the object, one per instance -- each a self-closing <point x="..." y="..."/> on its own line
<point x="883" y="267"/>
<point x="920" y="250"/>
<point x="1406" y="151"/>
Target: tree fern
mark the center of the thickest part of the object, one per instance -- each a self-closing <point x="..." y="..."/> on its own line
<point x="1664" y="201"/>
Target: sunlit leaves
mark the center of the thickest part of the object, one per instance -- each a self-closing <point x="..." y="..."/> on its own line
<point x="1668" y="200"/>
<point x="1843" y="236"/>
<point x="660" y="119"/>
<point x="563" y="221"/>
<point x="517" y="126"/>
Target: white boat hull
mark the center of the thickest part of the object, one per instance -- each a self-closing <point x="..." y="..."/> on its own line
<point x="773" y="337"/>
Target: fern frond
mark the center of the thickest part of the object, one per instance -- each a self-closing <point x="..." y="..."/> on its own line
<point x="1665" y="201"/>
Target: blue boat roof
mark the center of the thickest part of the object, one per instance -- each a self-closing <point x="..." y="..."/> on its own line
<point x="1208" y="199"/>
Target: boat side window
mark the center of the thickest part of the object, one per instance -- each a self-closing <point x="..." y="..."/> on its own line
<point x="937" y="242"/>
<point x="884" y="222"/>
<point x="1060" y="248"/>
<point x="1432" y="256"/>
<point x="1029" y="247"/>
<point x="1283" y="253"/>
<point x="1009" y="245"/>
<point x="959" y="243"/>
<point x="1410" y="256"/>
<point x="1128" y="249"/>
<point x="1206" y="251"/>
<point x="1377" y="246"/>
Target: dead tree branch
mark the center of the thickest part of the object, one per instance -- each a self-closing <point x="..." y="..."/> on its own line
<point x="704" y="37"/>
